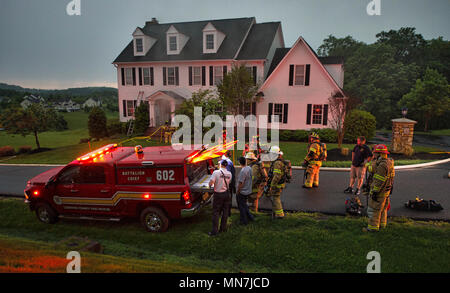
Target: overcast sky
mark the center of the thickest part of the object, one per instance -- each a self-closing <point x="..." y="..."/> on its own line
<point x="43" y="47"/>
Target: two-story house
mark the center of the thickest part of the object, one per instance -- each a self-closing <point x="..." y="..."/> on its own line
<point x="165" y="63"/>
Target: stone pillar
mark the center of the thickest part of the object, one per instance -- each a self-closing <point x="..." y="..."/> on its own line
<point x="402" y="136"/>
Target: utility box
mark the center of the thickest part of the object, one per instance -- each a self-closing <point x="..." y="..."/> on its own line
<point x="402" y="136"/>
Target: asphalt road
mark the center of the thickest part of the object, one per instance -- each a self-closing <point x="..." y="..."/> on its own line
<point x="427" y="183"/>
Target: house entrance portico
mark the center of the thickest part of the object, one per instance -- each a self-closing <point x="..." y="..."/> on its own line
<point x="162" y="105"/>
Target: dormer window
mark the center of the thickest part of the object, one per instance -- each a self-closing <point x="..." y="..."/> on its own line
<point x="172" y="43"/>
<point x="210" y="41"/>
<point x="139" y="45"/>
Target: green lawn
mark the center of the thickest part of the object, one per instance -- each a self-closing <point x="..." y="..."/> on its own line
<point x="77" y="124"/>
<point x="300" y="243"/>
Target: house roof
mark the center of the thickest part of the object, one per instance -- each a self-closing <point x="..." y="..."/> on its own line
<point x="235" y="31"/>
<point x="259" y="41"/>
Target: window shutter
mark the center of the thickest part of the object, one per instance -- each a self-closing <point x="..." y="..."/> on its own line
<point x="190" y="75"/>
<point x="134" y="104"/>
<point x="224" y="71"/>
<point x="164" y="76"/>
<point x="285" y="113"/>
<point x="203" y="75"/>
<point x="124" y="107"/>
<point x="134" y="75"/>
<point x="308" y="68"/>
<point x="308" y="114"/>
<point x="177" y="80"/>
<point x="241" y="108"/>
<point x="254" y="108"/>
<point x="140" y="75"/>
<point x="211" y="75"/>
<point x="151" y="76"/>
<point x="325" y="114"/>
<point x="270" y="112"/>
<point x="291" y="74"/>
<point x="254" y="74"/>
<point x="123" y="75"/>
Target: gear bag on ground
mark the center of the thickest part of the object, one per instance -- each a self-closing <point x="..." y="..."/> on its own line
<point x="353" y="208"/>
<point x="424" y="205"/>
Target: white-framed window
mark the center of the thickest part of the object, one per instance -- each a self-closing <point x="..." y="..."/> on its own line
<point x="146" y="72"/>
<point x="209" y="41"/>
<point x="139" y="45"/>
<point x="172" y="43"/>
<point x="171" y="78"/>
<point x="278" y="112"/>
<point x="218" y="74"/>
<point x="130" y="107"/>
<point x="317" y="114"/>
<point x="299" y="75"/>
<point x="128" y="76"/>
<point x="196" y="75"/>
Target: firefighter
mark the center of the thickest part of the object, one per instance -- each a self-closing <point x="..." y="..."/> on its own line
<point x="380" y="189"/>
<point x="259" y="178"/>
<point x="276" y="182"/>
<point x="317" y="152"/>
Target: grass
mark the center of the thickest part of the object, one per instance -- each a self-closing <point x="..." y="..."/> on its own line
<point x="77" y="124"/>
<point x="347" y="164"/>
<point x="442" y="132"/>
<point x="300" y="243"/>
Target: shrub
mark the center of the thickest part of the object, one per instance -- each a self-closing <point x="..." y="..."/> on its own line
<point x="142" y="119"/>
<point x="359" y="123"/>
<point x="97" y="123"/>
<point x="25" y="149"/>
<point x="326" y="135"/>
<point x="285" y="135"/>
<point x="115" y="127"/>
<point x="300" y="135"/>
<point x="7" y="151"/>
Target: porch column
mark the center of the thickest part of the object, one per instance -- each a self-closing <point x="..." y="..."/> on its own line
<point x="151" y="105"/>
<point x="172" y="110"/>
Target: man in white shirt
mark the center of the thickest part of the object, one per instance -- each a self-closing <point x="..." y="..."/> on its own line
<point x="221" y="180"/>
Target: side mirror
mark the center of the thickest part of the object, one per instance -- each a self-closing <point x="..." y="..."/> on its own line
<point x="51" y="181"/>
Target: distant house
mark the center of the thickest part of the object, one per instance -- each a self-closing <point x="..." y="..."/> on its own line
<point x="90" y="103"/>
<point x="67" y="106"/>
<point x="31" y="99"/>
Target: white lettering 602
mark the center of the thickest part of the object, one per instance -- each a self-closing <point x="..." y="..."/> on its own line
<point x="165" y="175"/>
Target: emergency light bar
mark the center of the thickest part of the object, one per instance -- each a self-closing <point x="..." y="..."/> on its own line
<point x="98" y="152"/>
<point x="210" y="153"/>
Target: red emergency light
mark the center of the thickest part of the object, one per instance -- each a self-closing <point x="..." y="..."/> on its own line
<point x="98" y="153"/>
<point x="210" y="153"/>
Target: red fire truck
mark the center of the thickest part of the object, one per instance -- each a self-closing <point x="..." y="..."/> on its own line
<point x="155" y="184"/>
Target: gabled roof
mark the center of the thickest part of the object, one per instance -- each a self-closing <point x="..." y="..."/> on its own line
<point x="259" y="40"/>
<point x="235" y="31"/>
<point x="281" y="53"/>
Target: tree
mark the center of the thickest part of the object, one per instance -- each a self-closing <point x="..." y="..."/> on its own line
<point x="237" y="88"/>
<point x="32" y="120"/>
<point x="142" y="118"/>
<point x="337" y="107"/>
<point x="333" y="46"/>
<point x="97" y="123"/>
<point x="429" y="97"/>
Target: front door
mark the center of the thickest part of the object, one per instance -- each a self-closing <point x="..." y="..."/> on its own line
<point x="86" y="190"/>
<point x="162" y="112"/>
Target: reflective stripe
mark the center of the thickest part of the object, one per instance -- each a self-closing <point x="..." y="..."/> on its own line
<point x="278" y="212"/>
<point x="375" y="228"/>
<point x="277" y="171"/>
<point x="376" y="188"/>
<point x="379" y="177"/>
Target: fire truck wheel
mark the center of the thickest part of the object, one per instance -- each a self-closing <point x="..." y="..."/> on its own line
<point x="45" y="213"/>
<point x="154" y="220"/>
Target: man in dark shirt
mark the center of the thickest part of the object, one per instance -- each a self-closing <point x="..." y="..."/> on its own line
<point x="360" y="155"/>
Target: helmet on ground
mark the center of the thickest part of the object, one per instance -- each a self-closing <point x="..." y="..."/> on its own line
<point x="314" y="135"/>
<point x="250" y="156"/>
<point x="381" y="148"/>
<point x="275" y="149"/>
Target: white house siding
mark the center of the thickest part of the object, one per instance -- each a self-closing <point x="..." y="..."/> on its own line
<point x="277" y="89"/>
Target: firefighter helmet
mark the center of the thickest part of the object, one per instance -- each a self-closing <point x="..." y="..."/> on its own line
<point x="275" y="149"/>
<point x="381" y="148"/>
<point x="314" y="135"/>
<point x="250" y="156"/>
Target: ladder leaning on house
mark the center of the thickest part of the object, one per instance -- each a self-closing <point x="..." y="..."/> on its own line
<point x="139" y="100"/>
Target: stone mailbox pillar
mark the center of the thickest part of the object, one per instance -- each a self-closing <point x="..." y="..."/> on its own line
<point x="402" y="136"/>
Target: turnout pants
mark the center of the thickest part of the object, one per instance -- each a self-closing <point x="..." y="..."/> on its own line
<point x="312" y="176"/>
<point x="377" y="212"/>
<point x="277" y="208"/>
<point x="221" y="207"/>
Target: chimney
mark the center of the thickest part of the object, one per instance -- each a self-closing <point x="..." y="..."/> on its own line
<point x="153" y="21"/>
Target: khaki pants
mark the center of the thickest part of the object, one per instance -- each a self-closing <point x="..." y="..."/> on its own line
<point x="312" y="175"/>
<point x="277" y="208"/>
<point x="377" y="212"/>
